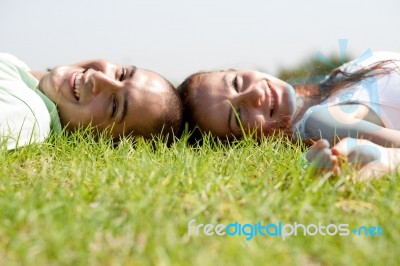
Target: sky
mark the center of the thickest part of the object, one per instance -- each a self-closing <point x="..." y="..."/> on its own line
<point x="178" y="37"/>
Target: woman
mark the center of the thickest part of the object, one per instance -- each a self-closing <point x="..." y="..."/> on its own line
<point x="360" y="99"/>
<point x="108" y="97"/>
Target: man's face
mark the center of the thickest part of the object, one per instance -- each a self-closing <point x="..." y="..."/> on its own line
<point x="106" y="96"/>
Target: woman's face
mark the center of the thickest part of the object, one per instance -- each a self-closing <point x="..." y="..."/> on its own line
<point x="221" y="102"/>
<point x="106" y="96"/>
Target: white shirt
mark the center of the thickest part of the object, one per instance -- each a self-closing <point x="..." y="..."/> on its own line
<point x="24" y="116"/>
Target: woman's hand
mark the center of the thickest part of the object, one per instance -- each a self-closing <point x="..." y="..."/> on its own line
<point x="371" y="159"/>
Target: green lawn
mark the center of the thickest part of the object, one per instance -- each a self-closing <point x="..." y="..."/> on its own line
<point x="72" y="201"/>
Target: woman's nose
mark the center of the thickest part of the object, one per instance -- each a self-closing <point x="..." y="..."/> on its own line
<point x="253" y="96"/>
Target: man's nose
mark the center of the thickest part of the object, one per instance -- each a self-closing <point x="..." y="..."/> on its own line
<point x="102" y="83"/>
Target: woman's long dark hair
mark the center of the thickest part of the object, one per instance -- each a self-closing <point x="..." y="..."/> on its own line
<point x="337" y="80"/>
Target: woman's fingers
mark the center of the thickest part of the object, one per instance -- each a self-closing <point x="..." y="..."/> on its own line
<point x="345" y="147"/>
<point x="370" y="158"/>
<point x="323" y="159"/>
<point x="357" y="151"/>
<point x="316" y="148"/>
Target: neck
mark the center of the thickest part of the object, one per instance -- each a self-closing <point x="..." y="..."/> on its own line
<point x="38" y="74"/>
<point x="306" y="96"/>
<point x="304" y="90"/>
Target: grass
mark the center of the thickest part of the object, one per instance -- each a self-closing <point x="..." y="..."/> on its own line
<point x="74" y="201"/>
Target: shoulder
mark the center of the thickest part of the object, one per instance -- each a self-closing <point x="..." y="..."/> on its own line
<point x="341" y="120"/>
<point x="11" y="61"/>
<point x="382" y="56"/>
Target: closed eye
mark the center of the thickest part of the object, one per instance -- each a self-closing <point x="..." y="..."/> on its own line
<point x="114" y="107"/>
<point x="235" y="83"/>
<point x="122" y="75"/>
<point x="238" y="119"/>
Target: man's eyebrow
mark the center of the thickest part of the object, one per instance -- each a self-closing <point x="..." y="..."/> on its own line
<point x="125" y="102"/>
<point x="133" y="71"/>
<point x="230" y="112"/>
<point x="124" y="108"/>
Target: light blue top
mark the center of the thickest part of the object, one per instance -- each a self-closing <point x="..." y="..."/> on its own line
<point x="381" y="94"/>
